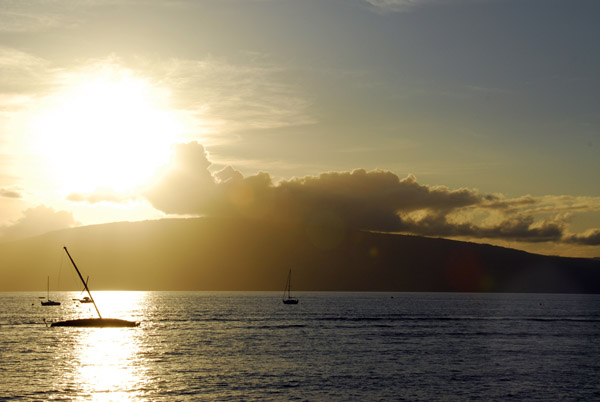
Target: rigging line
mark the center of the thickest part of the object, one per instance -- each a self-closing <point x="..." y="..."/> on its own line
<point x="60" y="270"/>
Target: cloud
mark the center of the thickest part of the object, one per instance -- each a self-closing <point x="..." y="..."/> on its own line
<point x="405" y="5"/>
<point x="42" y="15"/>
<point x="220" y="98"/>
<point x="367" y="199"/>
<point x="11" y="193"/>
<point x="516" y="228"/>
<point x="36" y="221"/>
<point x="26" y="16"/>
<point x="23" y="74"/>
<point x="18" y="19"/>
<point x="100" y="196"/>
<point x="588" y="238"/>
<point x="187" y="187"/>
<point x="228" y="96"/>
<point x="371" y="200"/>
<point x="396" y="5"/>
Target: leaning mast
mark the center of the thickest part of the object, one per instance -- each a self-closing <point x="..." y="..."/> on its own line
<point x="82" y="281"/>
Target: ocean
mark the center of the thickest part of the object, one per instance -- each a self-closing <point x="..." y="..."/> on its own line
<point x="248" y="346"/>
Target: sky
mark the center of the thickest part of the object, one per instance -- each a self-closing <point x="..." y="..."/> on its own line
<point x="477" y="120"/>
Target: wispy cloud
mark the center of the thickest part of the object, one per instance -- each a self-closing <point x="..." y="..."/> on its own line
<point x="22" y="74"/>
<point x="232" y="97"/>
<point x="396" y="5"/>
<point x="405" y="5"/>
<point x="37" y="15"/>
<point x="101" y="196"/>
<point x="27" y="16"/>
<point x="217" y="96"/>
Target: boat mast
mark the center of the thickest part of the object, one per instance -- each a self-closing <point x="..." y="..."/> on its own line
<point x="82" y="281"/>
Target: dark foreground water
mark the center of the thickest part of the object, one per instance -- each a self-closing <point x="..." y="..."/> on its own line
<point x="332" y="346"/>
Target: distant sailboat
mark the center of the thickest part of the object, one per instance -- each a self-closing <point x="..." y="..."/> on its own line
<point x="49" y="302"/>
<point x="85" y="299"/>
<point x="92" y="322"/>
<point x="287" y="298"/>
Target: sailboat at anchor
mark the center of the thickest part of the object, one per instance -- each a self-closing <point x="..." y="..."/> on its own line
<point x="49" y="302"/>
<point x="85" y="299"/>
<point x="92" y="322"/>
<point x="287" y="298"/>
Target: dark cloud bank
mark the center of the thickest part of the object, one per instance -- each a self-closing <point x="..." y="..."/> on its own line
<point x="374" y="200"/>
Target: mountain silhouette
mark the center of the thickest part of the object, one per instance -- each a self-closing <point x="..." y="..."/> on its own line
<point x="241" y="254"/>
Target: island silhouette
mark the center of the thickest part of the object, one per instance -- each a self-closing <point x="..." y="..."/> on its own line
<point x="253" y="255"/>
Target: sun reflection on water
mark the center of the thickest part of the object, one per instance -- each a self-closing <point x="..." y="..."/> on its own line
<point x="107" y="363"/>
<point x="117" y="304"/>
<point x="106" y="369"/>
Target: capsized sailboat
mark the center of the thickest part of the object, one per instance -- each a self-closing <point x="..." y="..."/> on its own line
<point x="92" y="322"/>
<point x="287" y="297"/>
<point x="49" y="302"/>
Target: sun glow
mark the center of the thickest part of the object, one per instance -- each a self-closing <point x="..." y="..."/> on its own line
<point x="106" y="130"/>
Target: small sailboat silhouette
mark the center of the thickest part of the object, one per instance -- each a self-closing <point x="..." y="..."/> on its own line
<point x="49" y="302"/>
<point x="287" y="297"/>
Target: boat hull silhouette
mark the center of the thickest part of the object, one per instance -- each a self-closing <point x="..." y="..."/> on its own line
<point x="96" y="322"/>
<point x="92" y="322"/>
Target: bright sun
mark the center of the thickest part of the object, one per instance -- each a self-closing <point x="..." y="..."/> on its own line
<point x="109" y="130"/>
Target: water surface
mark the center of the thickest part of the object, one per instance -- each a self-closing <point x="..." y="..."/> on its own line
<point x="332" y="346"/>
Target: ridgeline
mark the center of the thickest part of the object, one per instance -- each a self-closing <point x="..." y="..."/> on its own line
<point x="219" y="254"/>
